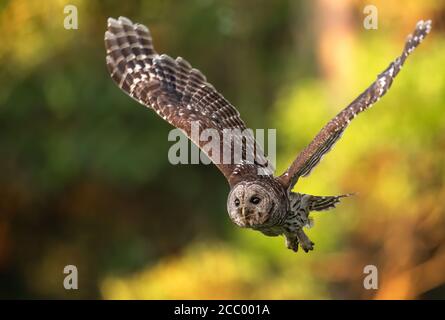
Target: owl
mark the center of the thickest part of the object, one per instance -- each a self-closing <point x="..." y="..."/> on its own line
<point x="181" y="95"/>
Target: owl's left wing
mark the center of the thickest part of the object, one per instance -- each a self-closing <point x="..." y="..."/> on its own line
<point x="328" y="136"/>
<point x="181" y="95"/>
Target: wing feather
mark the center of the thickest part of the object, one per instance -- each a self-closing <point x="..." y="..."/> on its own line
<point x="181" y="95"/>
<point x="331" y="133"/>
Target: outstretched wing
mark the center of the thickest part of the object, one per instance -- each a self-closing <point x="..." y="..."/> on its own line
<point x="328" y="136"/>
<point x="181" y="95"/>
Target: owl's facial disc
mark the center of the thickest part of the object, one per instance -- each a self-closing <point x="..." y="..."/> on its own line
<point x="250" y="205"/>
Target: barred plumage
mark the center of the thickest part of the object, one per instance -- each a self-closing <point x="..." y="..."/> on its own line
<point x="178" y="93"/>
<point x="331" y="133"/>
<point x="182" y="96"/>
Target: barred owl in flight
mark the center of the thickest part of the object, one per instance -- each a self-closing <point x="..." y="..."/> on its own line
<point x="181" y="95"/>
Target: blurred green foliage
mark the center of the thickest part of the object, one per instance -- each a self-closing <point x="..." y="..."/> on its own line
<point x="85" y="178"/>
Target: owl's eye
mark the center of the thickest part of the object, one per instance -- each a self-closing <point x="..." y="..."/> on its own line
<point x="237" y="202"/>
<point x="255" y="200"/>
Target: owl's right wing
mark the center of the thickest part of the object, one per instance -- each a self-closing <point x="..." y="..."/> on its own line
<point x="181" y="95"/>
<point x="331" y="132"/>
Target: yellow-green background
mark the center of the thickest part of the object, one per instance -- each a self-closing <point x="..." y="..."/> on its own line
<point x="85" y="179"/>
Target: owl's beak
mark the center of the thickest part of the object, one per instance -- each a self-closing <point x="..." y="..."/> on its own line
<point x="243" y="216"/>
<point x="246" y="217"/>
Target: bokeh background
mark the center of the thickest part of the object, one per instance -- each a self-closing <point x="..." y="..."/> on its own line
<point x="85" y="179"/>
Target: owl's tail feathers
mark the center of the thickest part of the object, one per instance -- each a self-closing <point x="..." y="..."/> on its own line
<point x="320" y="203"/>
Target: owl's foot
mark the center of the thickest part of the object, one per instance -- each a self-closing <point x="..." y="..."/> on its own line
<point x="304" y="241"/>
<point x="291" y="243"/>
<point x="299" y="238"/>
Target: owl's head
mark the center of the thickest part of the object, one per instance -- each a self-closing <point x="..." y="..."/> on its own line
<point x="251" y="204"/>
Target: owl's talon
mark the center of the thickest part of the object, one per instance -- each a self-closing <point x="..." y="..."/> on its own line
<point x="292" y="243"/>
<point x="299" y="238"/>
<point x="304" y="241"/>
<point x="309" y="247"/>
<point x="295" y="247"/>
